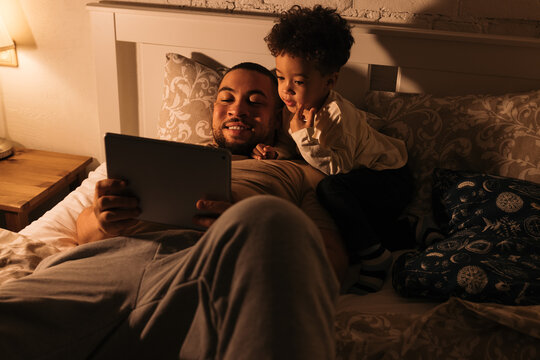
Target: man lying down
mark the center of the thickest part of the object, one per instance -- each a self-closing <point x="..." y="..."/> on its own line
<point x="260" y="283"/>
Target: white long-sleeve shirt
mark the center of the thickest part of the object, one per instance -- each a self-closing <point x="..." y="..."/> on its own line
<point x="342" y="140"/>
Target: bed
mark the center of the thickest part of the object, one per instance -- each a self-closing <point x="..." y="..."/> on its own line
<point x="468" y="107"/>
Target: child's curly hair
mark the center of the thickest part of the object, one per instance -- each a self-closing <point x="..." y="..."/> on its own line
<point x="319" y="34"/>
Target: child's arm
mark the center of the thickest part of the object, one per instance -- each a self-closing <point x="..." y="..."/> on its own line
<point x="329" y="160"/>
<point x="263" y="151"/>
<point x="341" y="140"/>
<point x="285" y="146"/>
<point x="302" y="119"/>
<point x="283" y="149"/>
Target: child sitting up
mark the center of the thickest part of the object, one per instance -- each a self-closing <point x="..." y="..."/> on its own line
<point x="369" y="183"/>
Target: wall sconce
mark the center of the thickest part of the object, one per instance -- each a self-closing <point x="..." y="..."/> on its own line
<point x="8" y="52"/>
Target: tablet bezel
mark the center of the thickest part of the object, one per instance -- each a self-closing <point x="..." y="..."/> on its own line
<point x="146" y="165"/>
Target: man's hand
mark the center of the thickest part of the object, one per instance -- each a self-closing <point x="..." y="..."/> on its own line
<point x="302" y="119"/>
<point x="115" y="211"/>
<point x="263" y="151"/>
<point x="213" y="208"/>
<point x="112" y="212"/>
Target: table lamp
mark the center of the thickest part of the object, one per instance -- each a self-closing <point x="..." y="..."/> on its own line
<point x="6" y="148"/>
<point x="8" y="52"/>
<point x="8" y="56"/>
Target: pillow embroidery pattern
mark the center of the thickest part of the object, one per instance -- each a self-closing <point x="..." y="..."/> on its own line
<point x="491" y="134"/>
<point x="189" y="93"/>
<point x="493" y="250"/>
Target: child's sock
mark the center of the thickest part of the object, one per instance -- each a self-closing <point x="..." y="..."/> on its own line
<point x="374" y="266"/>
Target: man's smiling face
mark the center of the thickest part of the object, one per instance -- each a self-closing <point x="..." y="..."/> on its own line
<point x="244" y="111"/>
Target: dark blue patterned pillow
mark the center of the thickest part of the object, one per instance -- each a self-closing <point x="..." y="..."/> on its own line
<point x="492" y="249"/>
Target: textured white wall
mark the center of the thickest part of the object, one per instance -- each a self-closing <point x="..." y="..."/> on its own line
<point x="49" y="101"/>
<point x="516" y="17"/>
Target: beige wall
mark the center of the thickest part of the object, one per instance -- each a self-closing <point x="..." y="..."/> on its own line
<point x="49" y="101"/>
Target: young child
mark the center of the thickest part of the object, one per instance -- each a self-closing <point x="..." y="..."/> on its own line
<point x="369" y="184"/>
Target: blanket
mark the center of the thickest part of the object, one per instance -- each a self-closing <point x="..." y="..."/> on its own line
<point x="454" y="329"/>
<point x="19" y="255"/>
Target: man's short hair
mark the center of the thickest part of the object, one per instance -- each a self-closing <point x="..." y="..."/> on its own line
<point x="261" y="70"/>
<point x="255" y="67"/>
<point x="320" y="35"/>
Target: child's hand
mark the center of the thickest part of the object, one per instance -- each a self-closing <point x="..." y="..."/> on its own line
<point x="263" y="151"/>
<point x="302" y="119"/>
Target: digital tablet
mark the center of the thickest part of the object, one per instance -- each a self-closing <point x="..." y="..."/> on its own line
<point x="169" y="177"/>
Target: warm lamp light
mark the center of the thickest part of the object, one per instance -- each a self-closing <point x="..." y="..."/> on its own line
<point x="8" y="53"/>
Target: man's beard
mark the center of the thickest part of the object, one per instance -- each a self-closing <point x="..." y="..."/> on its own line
<point x="237" y="149"/>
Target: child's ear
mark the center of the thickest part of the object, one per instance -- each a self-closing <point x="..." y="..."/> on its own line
<point x="332" y="79"/>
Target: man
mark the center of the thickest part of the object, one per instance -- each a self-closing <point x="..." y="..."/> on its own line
<point x="258" y="284"/>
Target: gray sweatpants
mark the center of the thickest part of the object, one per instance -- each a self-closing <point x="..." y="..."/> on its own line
<point x="256" y="285"/>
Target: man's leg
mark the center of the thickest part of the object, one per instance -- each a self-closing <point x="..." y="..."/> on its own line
<point x="260" y="287"/>
<point x="73" y="301"/>
<point x="257" y="285"/>
<point x="270" y="288"/>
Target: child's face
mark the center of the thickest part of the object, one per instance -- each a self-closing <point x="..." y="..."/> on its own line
<point x="300" y="83"/>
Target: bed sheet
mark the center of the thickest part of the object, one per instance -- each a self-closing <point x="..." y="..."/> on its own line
<point x="57" y="227"/>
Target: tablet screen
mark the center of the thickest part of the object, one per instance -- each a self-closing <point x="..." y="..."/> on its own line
<point x="169" y="177"/>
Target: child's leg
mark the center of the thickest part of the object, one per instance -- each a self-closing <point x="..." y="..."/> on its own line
<point x="365" y="205"/>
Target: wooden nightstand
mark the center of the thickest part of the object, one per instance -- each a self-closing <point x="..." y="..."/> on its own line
<point x="31" y="178"/>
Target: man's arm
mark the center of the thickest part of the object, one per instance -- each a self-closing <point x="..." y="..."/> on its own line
<point x="212" y="207"/>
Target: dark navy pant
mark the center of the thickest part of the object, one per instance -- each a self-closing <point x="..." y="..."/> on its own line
<point x="366" y="204"/>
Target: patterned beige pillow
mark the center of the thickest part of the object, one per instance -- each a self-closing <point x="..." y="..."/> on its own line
<point x="189" y="92"/>
<point x="498" y="135"/>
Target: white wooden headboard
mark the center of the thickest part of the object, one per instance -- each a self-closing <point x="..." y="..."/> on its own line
<point x="130" y="42"/>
